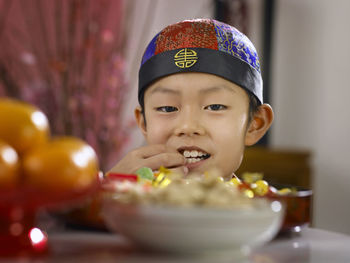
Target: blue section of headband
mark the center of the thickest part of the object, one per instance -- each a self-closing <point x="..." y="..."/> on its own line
<point x="231" y="41"/>
<point x="151" y="49"/>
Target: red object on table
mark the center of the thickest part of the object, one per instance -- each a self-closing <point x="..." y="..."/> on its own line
<point x="19" y="235"/>
<point x="298" y="208"/>
<point x="122" y="177"/>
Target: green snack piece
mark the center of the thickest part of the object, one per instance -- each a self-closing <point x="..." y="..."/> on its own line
<point x="145" y="173"/>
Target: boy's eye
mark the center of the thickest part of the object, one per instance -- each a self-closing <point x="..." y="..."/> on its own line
<point x="166" y="109"/>
<point x="216" y="107"/>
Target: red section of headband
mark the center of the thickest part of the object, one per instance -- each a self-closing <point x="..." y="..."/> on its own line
<point x="186" y="35"/>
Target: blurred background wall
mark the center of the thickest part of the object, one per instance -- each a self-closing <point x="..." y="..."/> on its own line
<point x="310" y="94"/>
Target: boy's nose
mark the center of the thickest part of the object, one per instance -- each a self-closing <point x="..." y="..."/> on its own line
<point x="189" y="124"/>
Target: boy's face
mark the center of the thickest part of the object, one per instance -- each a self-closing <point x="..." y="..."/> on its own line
<point x="202" y="116"/>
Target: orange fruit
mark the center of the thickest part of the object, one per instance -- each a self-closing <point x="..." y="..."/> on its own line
<point x="64" y="163"/>
<point x="9" y="165"/>
<point x="23" y="126"/>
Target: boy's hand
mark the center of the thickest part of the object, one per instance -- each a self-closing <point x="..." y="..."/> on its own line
<point x="152" y="156"/>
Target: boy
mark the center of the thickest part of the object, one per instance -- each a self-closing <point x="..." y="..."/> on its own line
<point x="200" y="95"/>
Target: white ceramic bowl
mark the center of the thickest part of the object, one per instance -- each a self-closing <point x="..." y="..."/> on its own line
<point x="194" y="230"/>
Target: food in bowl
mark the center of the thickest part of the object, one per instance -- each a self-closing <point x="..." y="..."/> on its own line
<point x="37" y="171"/>
<point x="63" y="163"/>
<point x="30" y="158"/>
<point x="23" y="125"/>
<point x="297" y="200"/>
<point x="9" y="165"/>
<point x="169" y="189"/>
<point x="196" y="214"/>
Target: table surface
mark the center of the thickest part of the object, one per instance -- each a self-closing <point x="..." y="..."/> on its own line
<point x="311" y="245"/>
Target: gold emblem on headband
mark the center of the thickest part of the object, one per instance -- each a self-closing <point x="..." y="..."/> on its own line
<point x="185" y="58"/>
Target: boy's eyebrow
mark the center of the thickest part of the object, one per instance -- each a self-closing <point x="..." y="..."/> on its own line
<point x="217" y="88"/>
<point x="165" y="90"/>
<point x="213" y="89"/>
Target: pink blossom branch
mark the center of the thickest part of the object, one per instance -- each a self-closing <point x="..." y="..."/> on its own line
<point x="75" y="70"/>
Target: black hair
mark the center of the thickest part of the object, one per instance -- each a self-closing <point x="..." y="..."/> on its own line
<point x="254" y="105"/>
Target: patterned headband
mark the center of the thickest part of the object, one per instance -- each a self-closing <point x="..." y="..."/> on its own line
<point x="202" y="45"/>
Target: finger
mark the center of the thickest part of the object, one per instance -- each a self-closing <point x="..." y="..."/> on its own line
<point x="168" y="160"/>
<point x="150" y="150"/>
<point x="154" y="149"/>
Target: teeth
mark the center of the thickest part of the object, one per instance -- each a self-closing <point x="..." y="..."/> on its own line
<point x="193" y="160"/>
<point x="194" y="156"/>
<point x="187" y="154"/>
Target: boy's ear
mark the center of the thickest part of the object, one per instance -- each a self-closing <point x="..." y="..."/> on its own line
<point x="140" y="120"/>
<point x="259" y="125"/>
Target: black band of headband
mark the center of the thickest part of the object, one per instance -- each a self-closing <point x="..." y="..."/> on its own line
<point x="206" y="61"/>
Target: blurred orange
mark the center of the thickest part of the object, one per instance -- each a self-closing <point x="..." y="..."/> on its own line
<point x="9" y="165"/>
<point x="23" y="126"/>
<point x="64" y="163"/>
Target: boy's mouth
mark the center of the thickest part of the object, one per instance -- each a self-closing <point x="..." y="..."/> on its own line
<point x="194" y="155"/>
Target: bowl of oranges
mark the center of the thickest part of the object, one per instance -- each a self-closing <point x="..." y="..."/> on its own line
<point x="36" y="171"/>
